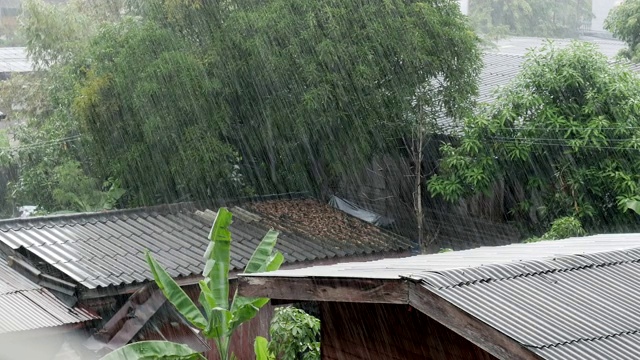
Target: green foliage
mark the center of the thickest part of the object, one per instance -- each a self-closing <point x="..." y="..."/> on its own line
<point x="445" y="250"/>
<point x="326" y="99"/>
<point x="563" y="138"/>
<point x="261" y="349"/>
<point x="295" y="335"/>
<point x="148" y="96"/>
<point x="624" y="22"/>
<point x="220" y="318"/>
<point x="561" y="228"/>
<point x="152" y="350"/>
<point x="633" y="205"/>
<point x="545" y="18"/>
<point x="189" y="99"/>
<point x="75" y="191"/>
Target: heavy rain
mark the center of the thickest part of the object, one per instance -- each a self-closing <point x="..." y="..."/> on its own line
<point x="325" y="179"/>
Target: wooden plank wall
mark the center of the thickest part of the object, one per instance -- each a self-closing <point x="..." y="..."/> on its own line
<point x="352" y="331"/>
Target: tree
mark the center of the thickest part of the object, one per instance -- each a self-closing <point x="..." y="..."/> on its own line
<point x="563" y="137"/>
<point x="221" y="318"/>
<point x="149" y="96"/>
<point x="327" y="85"/>
<point x="562" y="228"/>
<point x="547" y="18"/>
<point x="272" y="96"/>
<point x="624" y="22"/>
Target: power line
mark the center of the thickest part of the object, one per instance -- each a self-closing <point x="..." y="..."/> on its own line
<point x="525" y="141"/>
<point x="42" y="144"/>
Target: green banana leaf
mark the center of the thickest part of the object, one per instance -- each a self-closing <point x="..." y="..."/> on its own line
<point x="206" y="297"/>
<point x="152" y="350"/>
<point x="218" y="257"/>
<point x="175" y="294"/>
<point x="262" y="254"/>
<point x="633" y="205"/>
<point x="261" y="348"/>
<point x="243" y="308"/>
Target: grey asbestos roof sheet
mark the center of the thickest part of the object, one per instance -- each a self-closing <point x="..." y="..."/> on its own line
<point x="520" y="46"/>
<point x="14" y="59"/>
<point x="107" y="249"/>
<point x="26" y="306"/>
<point x="502" y="64"/>
<point x="567" y="299"/>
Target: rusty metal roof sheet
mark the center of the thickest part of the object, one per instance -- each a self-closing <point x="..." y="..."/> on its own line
<point x="26" y="306"/>
<point x="568" y="299"/>
<point x="105" y="249"/>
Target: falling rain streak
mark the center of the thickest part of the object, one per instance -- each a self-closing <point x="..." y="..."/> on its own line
<point x="359" y="129"/>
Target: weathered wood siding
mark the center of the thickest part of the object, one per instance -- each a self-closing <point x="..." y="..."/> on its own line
<point x="352" y="331"/>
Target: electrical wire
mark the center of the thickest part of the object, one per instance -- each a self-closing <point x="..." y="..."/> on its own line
<point x="42" y="144"/>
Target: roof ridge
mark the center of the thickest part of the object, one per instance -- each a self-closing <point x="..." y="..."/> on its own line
<point x="162" y="208"/>
<point x="527" y="274"/>
<point x="579" y="340"/>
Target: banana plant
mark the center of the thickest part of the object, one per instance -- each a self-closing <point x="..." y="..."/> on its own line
<point x="221" y="316"/>
<point x="261" y="348"/>
<point x="154" y="350"/>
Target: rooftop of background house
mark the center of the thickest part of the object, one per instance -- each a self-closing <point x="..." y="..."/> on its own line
<point x="567" y="299"/>
<point x="503" y="61"/>
<point x="25" y="305"/>
<point x="107" y="249"/>
<point x="520" y="46"/>
<point x="14" y="60"/>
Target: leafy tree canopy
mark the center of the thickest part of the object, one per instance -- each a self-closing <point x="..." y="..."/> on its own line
<point x="547" y="18"/>
<point x="189" y="99"/>
<point x="563" y="137"/>
<point x="624" y="22"/>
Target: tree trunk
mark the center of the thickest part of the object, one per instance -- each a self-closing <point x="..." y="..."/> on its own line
<point x="417" y="201"/>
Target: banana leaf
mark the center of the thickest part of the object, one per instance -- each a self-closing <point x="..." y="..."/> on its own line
<point x="175" y="294"/>
<point x="262" y="254"/>
<point x="261" y="348"/>
<point x="218" y="257"/>
<point x="151" y="350"/>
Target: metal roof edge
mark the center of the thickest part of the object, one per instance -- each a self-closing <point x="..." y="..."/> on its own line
<point x="161" y="208"/>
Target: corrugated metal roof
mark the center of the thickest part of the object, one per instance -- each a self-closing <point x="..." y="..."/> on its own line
<point x="14" y="59"/>
<point x="503" y="62"/>
<point x="104" y="249"/>
<point x="26" y="306"/>
<point x="567" y="299"/>
<point x="488" y="256"/>
<point x="520" y="45"/>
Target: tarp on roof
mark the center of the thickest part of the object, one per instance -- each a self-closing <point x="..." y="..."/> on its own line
<point x="359" y="212"/>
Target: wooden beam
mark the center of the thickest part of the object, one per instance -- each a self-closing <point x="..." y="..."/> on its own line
<point x="325" y="289"/>
<point x="462" y="323"/>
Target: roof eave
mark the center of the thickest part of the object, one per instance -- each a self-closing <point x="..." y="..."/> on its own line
<point x="387" y="291"/>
